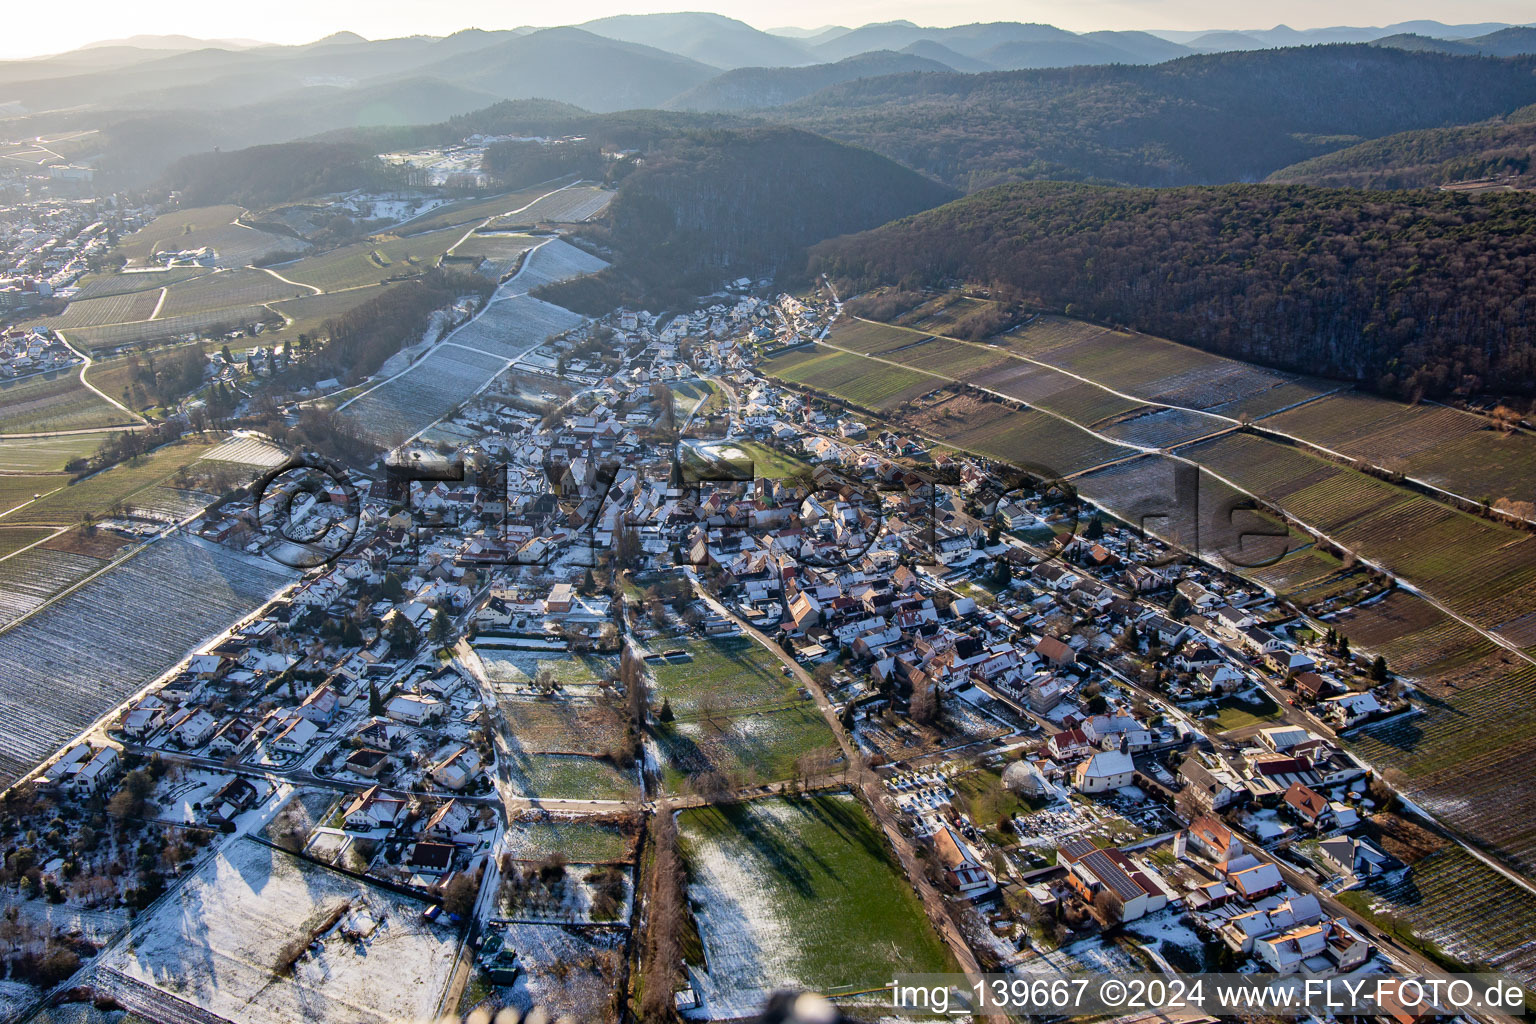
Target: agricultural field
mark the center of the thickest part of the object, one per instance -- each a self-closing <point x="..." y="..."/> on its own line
<point x="401" y="407"/>
<point x="1481" y="569"/>
<point x="799" y="893"/>
<point x="1029" y="439"/>
<point x="952" y="359"/>
<point x="1156" y="370"/>
<point x="1456" y="450"/>
<point x="940" y="314"/>
<point x="870" y="337"/>
<point x="564" y="748"/>
<point x="1154" y="427"/>
<point x="308" y="315"/>
<point x="55" y="401"/>
<point x="1053" y="391"/>
<point x="502" y="251"/>
<point x="235" y="244"/>
<point x="472" y="211"/>
<point x="123" y="485"/>
<point x="566" y="206"/>
<point x="74" y="661"/>
<point x="511" y="326"/>
<point x="372" y="261"/>
<point x="228" y="289"/>
<point x="851" y="377"/>
<point x="95" y="286"/>
<point x="735" y="713"/>
<point x="1192" y="510"/>
<point x="125" y="307"/>
<point x="18" y="488"/>
<point x="46" y="454"/>
<point x="1463" y="907"/>
<point x="218" y="321"/>
<point x="240" y="912"/>
<point x="555" y="261"/>
<point x="14" y="539"/>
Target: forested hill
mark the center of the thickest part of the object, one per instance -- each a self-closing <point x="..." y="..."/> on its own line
<point x="1426" y="158"/>
<point x="262" y="175"/>
<point x="1410" y="293"/>
<point x="706" y="205"/>
<point x="1198" y="120"/>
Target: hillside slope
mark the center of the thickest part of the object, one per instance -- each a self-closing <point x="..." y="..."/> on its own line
<point x="755" y="88"/>
<point x="1322" y="281"/>
<point x="1205" y="119"/>
<point x="1426" y="158"/>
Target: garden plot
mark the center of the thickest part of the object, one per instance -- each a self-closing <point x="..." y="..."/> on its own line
<point x="222" y="940"/>
<point x="511" y="326"/>
<point x="553" y="262"/>
<point x="798" y="894"/>
<point x="78" y="658"/>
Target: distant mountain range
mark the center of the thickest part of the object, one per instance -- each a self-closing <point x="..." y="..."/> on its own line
<point x="157" y="98"/>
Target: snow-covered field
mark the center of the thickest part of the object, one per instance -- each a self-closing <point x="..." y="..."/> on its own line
<point x="513" y="325"/>
<point x="570" y="975"/>
<point x="557" y="260"/>
<point x="249" y="451"/>
<point x="77" y="659"/>
<point x="217" y="943"/>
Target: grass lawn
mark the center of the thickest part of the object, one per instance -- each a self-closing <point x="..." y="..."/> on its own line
<point x="1235" y="714"/>
<point x="754" y="748"/>
<point x="570" y="777"/>
<point x="736" y="712"/>
<point x="581" y="841"/>
<point x="988" y="800"/>
<point x="732" y="674"/>
<point x="801" y="893"/>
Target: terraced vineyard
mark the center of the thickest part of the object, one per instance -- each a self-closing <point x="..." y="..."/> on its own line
<point x="861" y="381"/>
<point x="213" y="226"/>
<point x="224" y="290"/>
<point x="77" y="659"/>
<point x="54" y="401"/>
<point x="1040" y="386"/>
<point x="555" y="261"/>
<point x="567" y="206"/>
<point x="216" y="321"/>
<point x="109" y="309"/>
<point x="1483" y="570"/>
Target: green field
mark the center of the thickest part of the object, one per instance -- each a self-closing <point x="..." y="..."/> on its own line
<point x="735" y="712"/>
<point x="858" y="380"/>
<point x="802" y="893"/>
<point x="580" y="841"/>
<point x="46" y="454"/>
<point x="766" y="463"/>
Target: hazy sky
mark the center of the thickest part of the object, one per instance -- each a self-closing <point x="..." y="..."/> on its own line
<point x="33" y="28"/>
